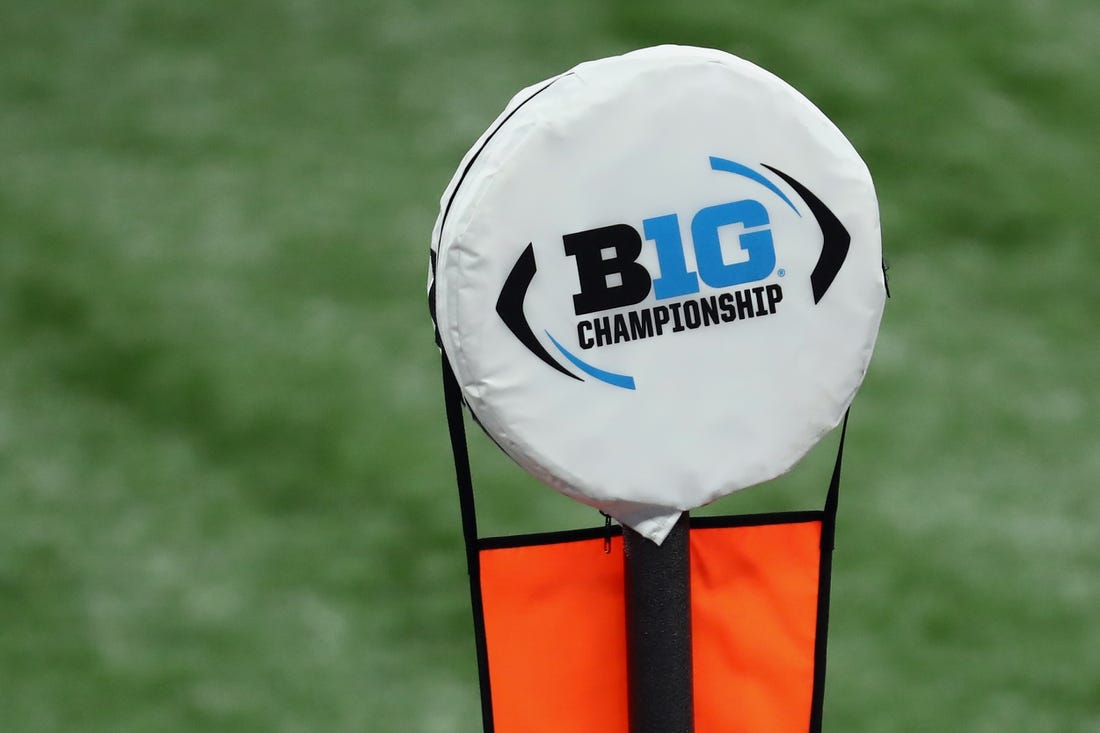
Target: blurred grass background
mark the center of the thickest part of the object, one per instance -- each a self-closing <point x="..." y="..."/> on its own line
<point x="226" y="495"/>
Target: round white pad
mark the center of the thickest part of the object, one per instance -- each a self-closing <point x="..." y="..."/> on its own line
<point x="658" y="280"/>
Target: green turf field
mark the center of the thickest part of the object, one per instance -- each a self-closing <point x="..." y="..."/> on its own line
<point x="226" y="496"/>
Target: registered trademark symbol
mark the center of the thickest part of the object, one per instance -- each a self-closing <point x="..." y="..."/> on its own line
<point x="781" y="272"/>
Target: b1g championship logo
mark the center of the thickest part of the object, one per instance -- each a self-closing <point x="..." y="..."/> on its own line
<point x="657" y="279"/>
<point x="612" y="279"/>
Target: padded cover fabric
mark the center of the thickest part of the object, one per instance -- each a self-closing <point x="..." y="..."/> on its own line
<point x="657" y="278"/>
<point x="554" y="626"/>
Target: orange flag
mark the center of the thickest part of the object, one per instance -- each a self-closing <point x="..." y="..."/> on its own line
<point x="553" y="620"/>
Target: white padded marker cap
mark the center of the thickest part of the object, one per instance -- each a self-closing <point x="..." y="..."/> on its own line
<point x="658" y="280"/>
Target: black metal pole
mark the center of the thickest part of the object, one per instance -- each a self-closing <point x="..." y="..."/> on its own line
<point x="658" y="631"/>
